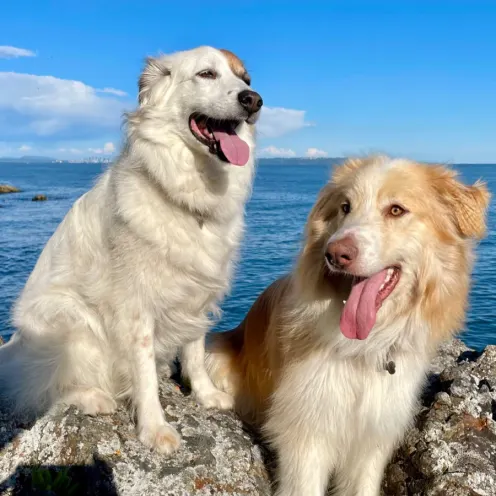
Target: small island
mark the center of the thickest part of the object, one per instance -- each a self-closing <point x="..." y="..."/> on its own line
<point x="40" y="198"/>
<point x="7" y="188"/>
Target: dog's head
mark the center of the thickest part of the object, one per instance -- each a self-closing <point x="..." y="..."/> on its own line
<point x="204" y="97"/>
<point x="400" y="232"/>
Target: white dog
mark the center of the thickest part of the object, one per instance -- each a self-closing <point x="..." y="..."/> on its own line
<point x="141" y="260"/>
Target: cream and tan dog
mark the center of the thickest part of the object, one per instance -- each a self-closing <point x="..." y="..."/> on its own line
<point x="331" y="359"/>
<point x="141" y="260"/>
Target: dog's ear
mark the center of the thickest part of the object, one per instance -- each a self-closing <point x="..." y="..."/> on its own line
<point x="155" y="68"/>
<point x="466" y="204"/>
<point x="321" y="212"/>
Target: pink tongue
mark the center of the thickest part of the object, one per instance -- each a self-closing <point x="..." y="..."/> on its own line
<point x="233" y="147"/>
<point x="360" y="311"/>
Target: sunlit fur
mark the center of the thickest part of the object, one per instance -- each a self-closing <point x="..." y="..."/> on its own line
<point x="325" y="402"/>
<point x="140" y="262"/>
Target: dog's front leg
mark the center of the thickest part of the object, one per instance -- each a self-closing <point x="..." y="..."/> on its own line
<point x="193" y="364"/>
<point x="153" y="430"/>
<point x="362" y="474"/>
<point x="303" y="467"/>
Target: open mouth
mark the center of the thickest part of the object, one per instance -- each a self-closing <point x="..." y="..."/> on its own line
<point x="220" y="137"/>
<point x="366" y="298"/>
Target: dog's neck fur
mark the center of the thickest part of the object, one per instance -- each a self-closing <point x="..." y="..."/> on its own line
<point x="197" y="183"/>
<point x="402" y="336"/>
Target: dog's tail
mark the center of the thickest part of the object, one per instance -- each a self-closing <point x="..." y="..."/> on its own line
<point x="27" y="373"/>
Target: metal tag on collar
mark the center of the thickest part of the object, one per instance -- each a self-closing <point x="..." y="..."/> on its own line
<point x="390" y="367"/>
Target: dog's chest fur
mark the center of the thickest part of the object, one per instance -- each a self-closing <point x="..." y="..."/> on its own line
<point x="184" y="256"/>
<point x="342" y="400"/>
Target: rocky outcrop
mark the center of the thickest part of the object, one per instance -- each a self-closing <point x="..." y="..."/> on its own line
<point x="40" y="198"/>
<point x="104" y="457"/>
<point x="451" y="450"/>
<point x="7" y="188"/>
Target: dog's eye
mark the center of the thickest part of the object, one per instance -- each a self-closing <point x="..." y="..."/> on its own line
<point x="207" y="74"/>
<point x="396" y="211"/>
<point x="346" y="207"/>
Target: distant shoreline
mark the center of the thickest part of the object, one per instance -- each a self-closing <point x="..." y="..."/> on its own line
<point x="106" y="160"/>
<point x="25" y="160"/>
<point x="51" y="160"/>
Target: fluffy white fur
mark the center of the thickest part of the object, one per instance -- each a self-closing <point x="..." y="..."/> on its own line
<point x="326" y="403"/>
<point x="139" y="263"/>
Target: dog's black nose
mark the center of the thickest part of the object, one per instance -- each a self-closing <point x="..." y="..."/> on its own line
<point x="251" y="101"/>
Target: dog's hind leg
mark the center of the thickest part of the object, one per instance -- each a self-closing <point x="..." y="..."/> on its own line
<point x="193" y="363"/>
<point x="91" y="401"/>
<point x="56" y="354"/>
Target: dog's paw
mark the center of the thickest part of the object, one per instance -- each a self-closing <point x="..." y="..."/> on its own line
<point x="168" y="370"/>
<point x="162" y="438"/>
<point x="216" y="399"/>
<point x="92" y="401"/>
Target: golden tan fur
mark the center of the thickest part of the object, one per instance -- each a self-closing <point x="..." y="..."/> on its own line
<point x="236" y="65"/>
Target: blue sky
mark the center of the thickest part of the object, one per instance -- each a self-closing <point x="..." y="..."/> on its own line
<point x="414" y="78"/>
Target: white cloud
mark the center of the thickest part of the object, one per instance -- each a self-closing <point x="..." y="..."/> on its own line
<point x="315" y="153"/>
<point x="112" y="91"/>
<point x="46" y="106"/>
<point x="108" y="148"/>
<point x="24" y="148"/>
<point x="10" y="52"/>
<point x="272" y="151"/>
<point x="276" y="121"/>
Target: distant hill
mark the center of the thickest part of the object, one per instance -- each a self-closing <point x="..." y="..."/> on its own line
<point x="28" y="159"/>
<point x="300" y="161"/>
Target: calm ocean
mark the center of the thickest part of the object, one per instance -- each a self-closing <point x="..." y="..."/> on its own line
<point x="282" y="197"/>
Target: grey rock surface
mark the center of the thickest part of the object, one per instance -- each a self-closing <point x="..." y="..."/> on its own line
<point x="105" y="457"/>
<point x="452" y="448"/>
